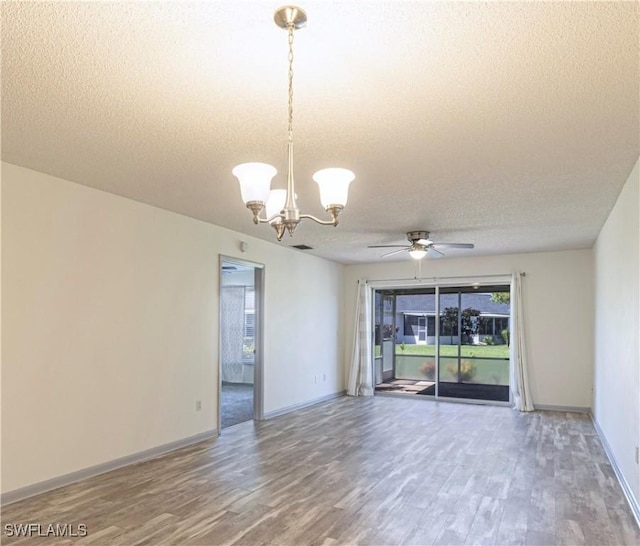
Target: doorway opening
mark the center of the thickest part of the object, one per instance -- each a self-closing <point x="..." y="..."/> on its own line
<point x="240" y="391"/>
<point x="445" y="342"/>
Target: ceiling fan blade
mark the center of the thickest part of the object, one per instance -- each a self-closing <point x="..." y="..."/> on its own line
<point x="434" y="252"/>
<point x="454" y="245"/>
<point x="387" y="246"/>
<point x="394" y="252"/>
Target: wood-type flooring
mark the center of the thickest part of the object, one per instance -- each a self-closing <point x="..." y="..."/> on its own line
<point x="376" y="471"/>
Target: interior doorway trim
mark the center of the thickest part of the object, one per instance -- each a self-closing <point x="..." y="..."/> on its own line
<point x="258" y="378"/>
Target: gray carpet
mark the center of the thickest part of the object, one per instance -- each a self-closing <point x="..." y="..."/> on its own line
<point x="237" y="403"/>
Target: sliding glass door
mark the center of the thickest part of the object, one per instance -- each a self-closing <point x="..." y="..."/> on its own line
<point x="450" y="342"/>
<point x="384" y="337"/>
<point x="405" y="341"/>
<point x="474" y="337"/>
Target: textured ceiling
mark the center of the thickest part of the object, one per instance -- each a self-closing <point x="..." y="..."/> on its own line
<point x="510" y="125"/>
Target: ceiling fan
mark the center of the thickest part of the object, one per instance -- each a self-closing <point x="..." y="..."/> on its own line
<point x="421" y="245"/>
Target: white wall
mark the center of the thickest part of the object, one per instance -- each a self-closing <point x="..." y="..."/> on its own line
<point x="110" y="331"/>
<point x="558" y="312"/>
<point x="616" y="401"/>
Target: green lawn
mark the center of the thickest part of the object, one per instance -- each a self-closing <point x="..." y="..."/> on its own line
<point x="478" y="351"/>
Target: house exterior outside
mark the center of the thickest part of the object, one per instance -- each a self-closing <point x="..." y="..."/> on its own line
<point x="416" y="319"/>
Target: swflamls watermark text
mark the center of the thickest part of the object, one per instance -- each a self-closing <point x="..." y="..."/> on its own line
<point x="57" y="530"/>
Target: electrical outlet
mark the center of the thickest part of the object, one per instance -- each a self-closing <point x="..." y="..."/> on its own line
<point x="315" y="378"/>
<point x="637" y="455"/>
<point x="198" y="405"/>
<point x="324" y="376"/>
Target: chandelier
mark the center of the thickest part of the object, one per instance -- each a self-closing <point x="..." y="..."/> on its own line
<point x="282" y="212"/>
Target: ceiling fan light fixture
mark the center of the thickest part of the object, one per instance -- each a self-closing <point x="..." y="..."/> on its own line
<point x="420" y="246"/>
<point x="417" y="253"/>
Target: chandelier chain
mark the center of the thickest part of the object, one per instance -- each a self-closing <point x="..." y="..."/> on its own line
<point x="290" y="128"/>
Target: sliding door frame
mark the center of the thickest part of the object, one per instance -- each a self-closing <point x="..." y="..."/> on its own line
<point x="478" y="282"/>
<point x="394" y="336"/>
<point x="437" y="347"/>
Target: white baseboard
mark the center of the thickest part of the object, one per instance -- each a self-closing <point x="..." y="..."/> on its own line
<point x="54" y="483"/>
<point x="626" y="489"/>
<point x="576" y="409"/>
<point x="294" y="407"/>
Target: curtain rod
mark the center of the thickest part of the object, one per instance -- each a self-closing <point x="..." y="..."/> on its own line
<point x="470" y="277"/>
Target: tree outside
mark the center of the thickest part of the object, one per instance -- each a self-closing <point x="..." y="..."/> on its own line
<point x="449" y="320"/>
<point x="501" y="297"/>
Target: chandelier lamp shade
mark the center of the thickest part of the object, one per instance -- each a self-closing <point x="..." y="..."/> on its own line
<point x="280" y="206"/>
